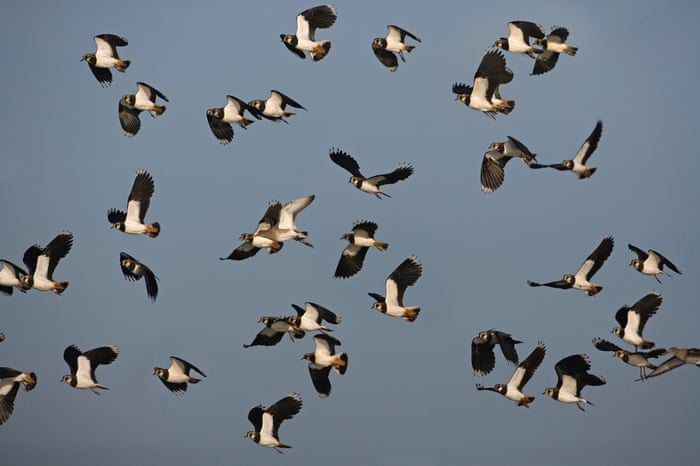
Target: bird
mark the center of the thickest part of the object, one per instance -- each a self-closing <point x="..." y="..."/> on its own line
<point x="10" y="381"/>
<point x="131" y="106"/>
<point x="11" y="277"/>
<point x="41" y="264"/>
<point x="651" y="262"/>
<point x="359" y="242"/>
<point x="578" y="165"/>
<point x="484" y="95"/>
<point x="106" y="57"/>
<point x="493" y="166"/>
<point x="134" y="270"/>
<point x="275" y="107"/>
<point x="318" y="17"/>
<point x="83" y="365"/>
<point x="633" y="319"/>
<point x="132" y="221"/>
<point x="572" y="376"/>
<point x="177" y="376"/>
<point x="267" y="421"/>
<point x="681" y="356"/>
<point x="405" y="275"/>
<point x="284" y="228"/>
<point x="310" y="317"/>
<point x="581" y="279"/>
<point x="322" y="360"/>
<point x="373" y="184"/>
<point x="518" y="40"/>
<point x="273" y="331"/>
<point x="483" y="358"/>
<point x="252" y="243"/>
<point x="386" y="48"/>
<point x="522" y="374"/>
<point x="637" y="358"/>
<point x="514" y="148"/>
<point x="553" y="45"/>
<point x="220" y="119"/>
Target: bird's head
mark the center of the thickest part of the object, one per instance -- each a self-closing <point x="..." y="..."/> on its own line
<point x="118" y="226"/>
<point x="89" y="57"/>
<point x="252" y="435"/>
<point x="289" y="39"/>
<point x="497" y="146"/>
<point x="550" y="392"/>
<point x="501" y="43"/>
<point x="485" y="335"/>
<point x="636" y="263"/>
<point x="620" y="354"/>
<point x="464" y="98"/>
<point x="500" y="388"/>
<point x="309" y="357"/>
<point x="355" y="180"/>
<point x="257" y="104"/>
<point x="216" y="112"/>
<point x="67" y="379"/>
<point x="568" y="278"/>
<point x="246" y="236"/>
<point x="380" y="306"/>
<point x="568" y="164"/>
<point x="379" y="42"/>
<point x="29" y="380"/>
<point x="347" y="237"/>
<point x="159" y="372"/>
<point x="618" y="331"/>
<point x="26" y="282"/>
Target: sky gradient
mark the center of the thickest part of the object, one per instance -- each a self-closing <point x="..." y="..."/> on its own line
<point x="408" y="396"/>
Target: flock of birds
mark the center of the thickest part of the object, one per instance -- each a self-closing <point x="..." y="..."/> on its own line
<point x="279" y="225"/>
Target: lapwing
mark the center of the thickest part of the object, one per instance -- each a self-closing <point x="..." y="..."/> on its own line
<point x="106" y="57"/>
<point x="572" y="376"/>
<point x="483" y="358"/>
<point x="578" y="165"/>
<point x="359" y="242"/>
<point x="386" y="48"/>
<point x="177" y="376"/>
<point x="131" y="106"/>
<point x="10" y="381"/>
<point x="82" y="366"/>
<point x="581" y="279"/>
<point x="220" y="119"/>
<point x="651" y="262"/>
<point x="318" y="17"/>
<point x="322" y="360"/>
<point x="553" y="45"/>
<point x="484" y="95"/>
<point x="513" y="390"/>
<point x="275" y="107"/>
<point x="41" y="264"/>
<point x="267" y="421"/>
<point x="518" y="40"/>
<point x="310" y="317"/>
<point x="132" y="221"/>
<point x="273" y="331"/>
<point x="633" y="319"/>
<point x="11" y="277"/>
<point x="285" y="228"/>
<point x="252" y="242"/>
<point x="514" y="148"/>
<point x="405" y="275"/>
<point x="638" y="359"/>
<point x="134" y="270"/>
<point x="373" y="184"/>
<point x="681" y="356"/>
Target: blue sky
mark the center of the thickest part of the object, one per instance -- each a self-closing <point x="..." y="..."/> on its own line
<point x="408" y="396"/>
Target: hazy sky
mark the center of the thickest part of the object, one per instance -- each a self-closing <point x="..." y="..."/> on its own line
<point x="408" y="397"/>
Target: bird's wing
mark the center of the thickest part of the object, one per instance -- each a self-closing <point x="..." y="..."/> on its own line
<point x="596" y="259"/>
<point x="400" y="173"/>
<point x="222" y="130"/>
<point x="345" y="161"/>
<point x="290" y="210"/>
<point x="663" y="261"/>
<point x="405" y="275"/>
<point x="641" y="255"/>
<point x="56" y="250"/>
<point x="129" y="118"/>
<point x="590" y="144"/>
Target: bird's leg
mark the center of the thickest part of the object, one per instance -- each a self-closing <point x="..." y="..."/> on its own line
<point x="656" y="277"/>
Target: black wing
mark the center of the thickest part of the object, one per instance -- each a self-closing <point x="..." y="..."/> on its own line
<point x="223" y="131"/>
<point x="57" y="249"/>
<point x="70" y="355"/>
<point x="385" y="57"/>
<point x="320" y="379"/>
<point x="605" y="345"/>
<point x="561" y="284"/>
<point x="482" y="356"/>
<point x="401" y="173"/>
<point x="641" y="255"/>
<point x="129" y="118"/>
<point x="346" y="161"/>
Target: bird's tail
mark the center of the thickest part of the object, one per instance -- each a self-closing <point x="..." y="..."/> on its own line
<point x="587" y="172"/>
<point x="411" y="313"/>
<point x="321" y="50"/>
<point x="153" y="229"/>
<point x="571" y="50"/>
<point x="60" y="287"/>
<point x="526" y="401"/>
<point x="647" y="345"/>
<point x="506" y="106"/>
<point x="381" y="246"/>
<point x="158" y="109"/>
<point x="594" y="290"/>
<point x="341" y="363"/>
<point x="194" y="380"/>
<point x="245" y="122"/>
<point x="122" y="65"/>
